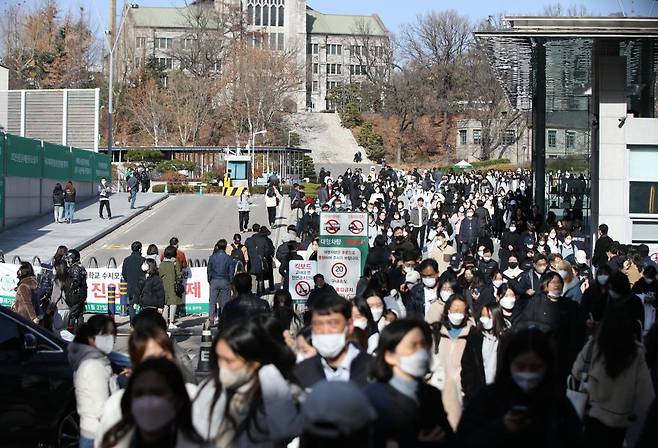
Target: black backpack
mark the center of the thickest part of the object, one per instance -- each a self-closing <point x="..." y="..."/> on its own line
<point x="179" y="287"/>
<point x="42" y="293"/>
<point x="236" y="253"/>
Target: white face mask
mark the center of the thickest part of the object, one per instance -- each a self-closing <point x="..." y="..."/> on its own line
<point x="456" y="319"/>
<point x="361" y="323"/>
<point x="487" y="323"/>
<point x="487" y="258"/>
<point x="104" y="343"/>
<point x="512" y="229"/>
<point x="377" y="313"/>
<point x="417" y="364"/>
<point x="497" y="283"/>
<point x="553" y="294"/>
<point x="329" y="345"/>
<point x="445" y="295"/>
<point x="429" y="282"/>
<point x="507" y="302"/>
<point x="602" y="279"/>
<point x="407" y="269"/>
<point x="480" y="254"/>
<point x="234" y="378"/>
<point x="145" y="267"/>
<point x="152" y="412"/>
<point x="527" y="381"/>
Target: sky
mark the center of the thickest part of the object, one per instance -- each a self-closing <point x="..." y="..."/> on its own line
<point x="393" y="12"/>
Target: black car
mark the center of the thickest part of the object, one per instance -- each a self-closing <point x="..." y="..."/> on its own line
<point x="37" y="400"/>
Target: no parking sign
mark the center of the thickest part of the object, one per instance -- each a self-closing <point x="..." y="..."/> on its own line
<point x="343" y="250"/>
<point x="301" y="279"/>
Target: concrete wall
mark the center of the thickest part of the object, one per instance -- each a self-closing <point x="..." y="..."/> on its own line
<point x="27" y="198"/>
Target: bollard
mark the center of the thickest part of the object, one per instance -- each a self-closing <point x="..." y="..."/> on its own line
<point x="111" y="299"/>
<point x="123" y="300"/>
<point x="200" y="190"/>
<point x="204" y="349"/>
<point x="166" y="190"/>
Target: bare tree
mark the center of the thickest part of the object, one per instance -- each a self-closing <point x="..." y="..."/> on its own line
<point x="439" y="42"/>
<point x="190" y="101"/>
<point x="573" y="10"/>
<point x="147" y="105"/>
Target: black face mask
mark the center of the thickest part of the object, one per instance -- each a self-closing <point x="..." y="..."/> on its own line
<point x="513" y="265"/>
<point x="399" y="238"/>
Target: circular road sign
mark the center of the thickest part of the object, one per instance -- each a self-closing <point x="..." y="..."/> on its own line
<point x="339" y="270"/>
<point x="302" y="288"/>
<point x="332" y="226"/>
<point x="356" y="227"/>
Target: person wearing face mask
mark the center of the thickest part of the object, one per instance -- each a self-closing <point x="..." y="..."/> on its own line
<point x="423" y="295"/>
<point x="246" y="400"/>
<point x="487" y="265"/>
<point x="337" y="359"/>
<point x="561" y="317"/>
<point x="619" y="292"/>
<point x="483" y="346"/>
<point x="152" y="293"/>
<point x="93" y="379"/>
<point x="595" y="298"/>
<point x="523" y="407"/>
<point x="379" y="256"/>
<point x="418" y="217"/>
<point x="409" y="411"/>
<point x="619" y="383"/>
<point x="27" y="285"/>
<point x="145" y="342"/>
<point x="309" y="225"/>
<point x="513" y="270"/>
<point x="528" y="283"/>
<point x="131" y="271"/>
<point x="572" y="284"/>
<point x="157" y="410"/>
<point x="450" y="335"/>
<point x="469" y="231"/>
<point x="441" y="251"/>
<point x="567" y="249"/>
<point x="552" y="242"/>
<point x="366" y="330"/>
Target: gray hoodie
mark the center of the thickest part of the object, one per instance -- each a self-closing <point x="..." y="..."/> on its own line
<point x="81" y="352"/>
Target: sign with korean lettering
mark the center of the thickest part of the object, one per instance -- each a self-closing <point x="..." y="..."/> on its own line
<point x="23" y="156"/>
<point x="56" y="162"/>
<point x="98" y="280"/>
<point x="8" y="283"/>
<point x="343" y="249"/>
<point x="301" y="279"/>
<point x="344" y="224"/>
<point x="82" y="166"/>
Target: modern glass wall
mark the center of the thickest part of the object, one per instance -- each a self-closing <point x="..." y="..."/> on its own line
<point x="568" y="128"/>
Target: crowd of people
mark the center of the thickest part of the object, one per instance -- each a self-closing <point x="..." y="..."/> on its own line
<point x="477" y="322"/>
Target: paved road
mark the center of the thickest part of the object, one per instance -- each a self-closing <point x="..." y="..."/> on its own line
<point x="197" y="221"/>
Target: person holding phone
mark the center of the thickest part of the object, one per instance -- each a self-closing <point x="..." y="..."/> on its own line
<point x="523" y="407"/>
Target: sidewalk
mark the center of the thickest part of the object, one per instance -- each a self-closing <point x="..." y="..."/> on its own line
<point x="41" y="236"/>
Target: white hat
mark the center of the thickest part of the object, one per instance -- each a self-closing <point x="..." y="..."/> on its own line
<point x="336" y="409"/>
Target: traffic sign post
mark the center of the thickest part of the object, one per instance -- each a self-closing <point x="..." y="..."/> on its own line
<point x="343" y="250"/>
<point x="301" y="280"/>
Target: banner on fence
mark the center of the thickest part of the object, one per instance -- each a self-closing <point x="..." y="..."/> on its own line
<point x="98" y="280"/>
<point x="301" y="279"/>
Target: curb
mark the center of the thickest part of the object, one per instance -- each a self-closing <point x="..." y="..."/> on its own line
<point x="114" y="227"/>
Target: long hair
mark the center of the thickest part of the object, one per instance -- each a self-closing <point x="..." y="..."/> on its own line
<point x="252" y="342"/>
<point x="172" y="375"/>
<point x="389" y="339"/>
<point x="97" y="324"/>
<point x="445" y="322"/>
<point x="282" y="309"/>
<point x="496" y="314"/>
<point x="617" y="339"/>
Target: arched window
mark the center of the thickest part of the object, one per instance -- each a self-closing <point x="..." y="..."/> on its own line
<point x="281" y="15"/>
<point x="257" y="20"/>
<point x="273" y="15"/>
<point x="250" y="14"/>
<point x="266" y="15"/>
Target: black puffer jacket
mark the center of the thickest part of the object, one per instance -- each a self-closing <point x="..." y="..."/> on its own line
<point x="75" y="289"/>
<point x="58" y="195"/>
<point x="152" y="293"/>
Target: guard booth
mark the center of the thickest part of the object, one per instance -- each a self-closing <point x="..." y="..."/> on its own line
<point x="240" y="167"/>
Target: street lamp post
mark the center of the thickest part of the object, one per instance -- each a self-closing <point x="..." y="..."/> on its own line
<point x="253" y="146"/>
<point x="110" y="86"/>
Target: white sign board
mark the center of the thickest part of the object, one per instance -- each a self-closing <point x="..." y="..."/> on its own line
<point x="341" y="267"/>
<point x="301" y="279"/>
<point x="344" y="224"/>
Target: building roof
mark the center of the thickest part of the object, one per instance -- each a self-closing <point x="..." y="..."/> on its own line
<point x="577" y="26"/>
<point x="159" y="17"/>
<point x="320" y="23"/>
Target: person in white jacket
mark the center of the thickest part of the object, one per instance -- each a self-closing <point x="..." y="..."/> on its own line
<point x="246" y="401"/>
<point x="93" y="379"/>
<point x="157" y="410"/>
<point x="148" y="341"/>
<point x="272" y="198"/>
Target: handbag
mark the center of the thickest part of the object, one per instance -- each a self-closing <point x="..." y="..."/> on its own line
<point x="577" y="390"/>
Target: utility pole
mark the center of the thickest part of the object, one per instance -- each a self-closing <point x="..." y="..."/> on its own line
<point x="113" y="15"/>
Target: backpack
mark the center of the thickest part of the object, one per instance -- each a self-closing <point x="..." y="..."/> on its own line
<point x="270" y="192"/>
<point x="236" y="253"/>
<point x="42" y="293"/>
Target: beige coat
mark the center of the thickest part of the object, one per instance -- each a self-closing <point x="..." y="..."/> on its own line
<point x="441" y="255"/>
<point x="447" y="370"/>
<point x="620" y="401"/>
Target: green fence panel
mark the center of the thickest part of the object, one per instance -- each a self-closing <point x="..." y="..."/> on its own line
<point x="3" y="151"/>
<point x="23" y="157"/>
<point x="56" y="162"/>
<point x="102" y="167"/>
<point x="83" y="166"/>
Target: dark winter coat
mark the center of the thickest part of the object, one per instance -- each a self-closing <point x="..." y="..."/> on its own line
<point x="132" y="273"/>
<point x="152" y="293"/>
<point x="58" y="195"/>
<point x="469" y="230"/>
<point x="261" y="250"/>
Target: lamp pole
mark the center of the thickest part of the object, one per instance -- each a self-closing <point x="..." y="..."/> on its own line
<point x="110" y="86"/>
